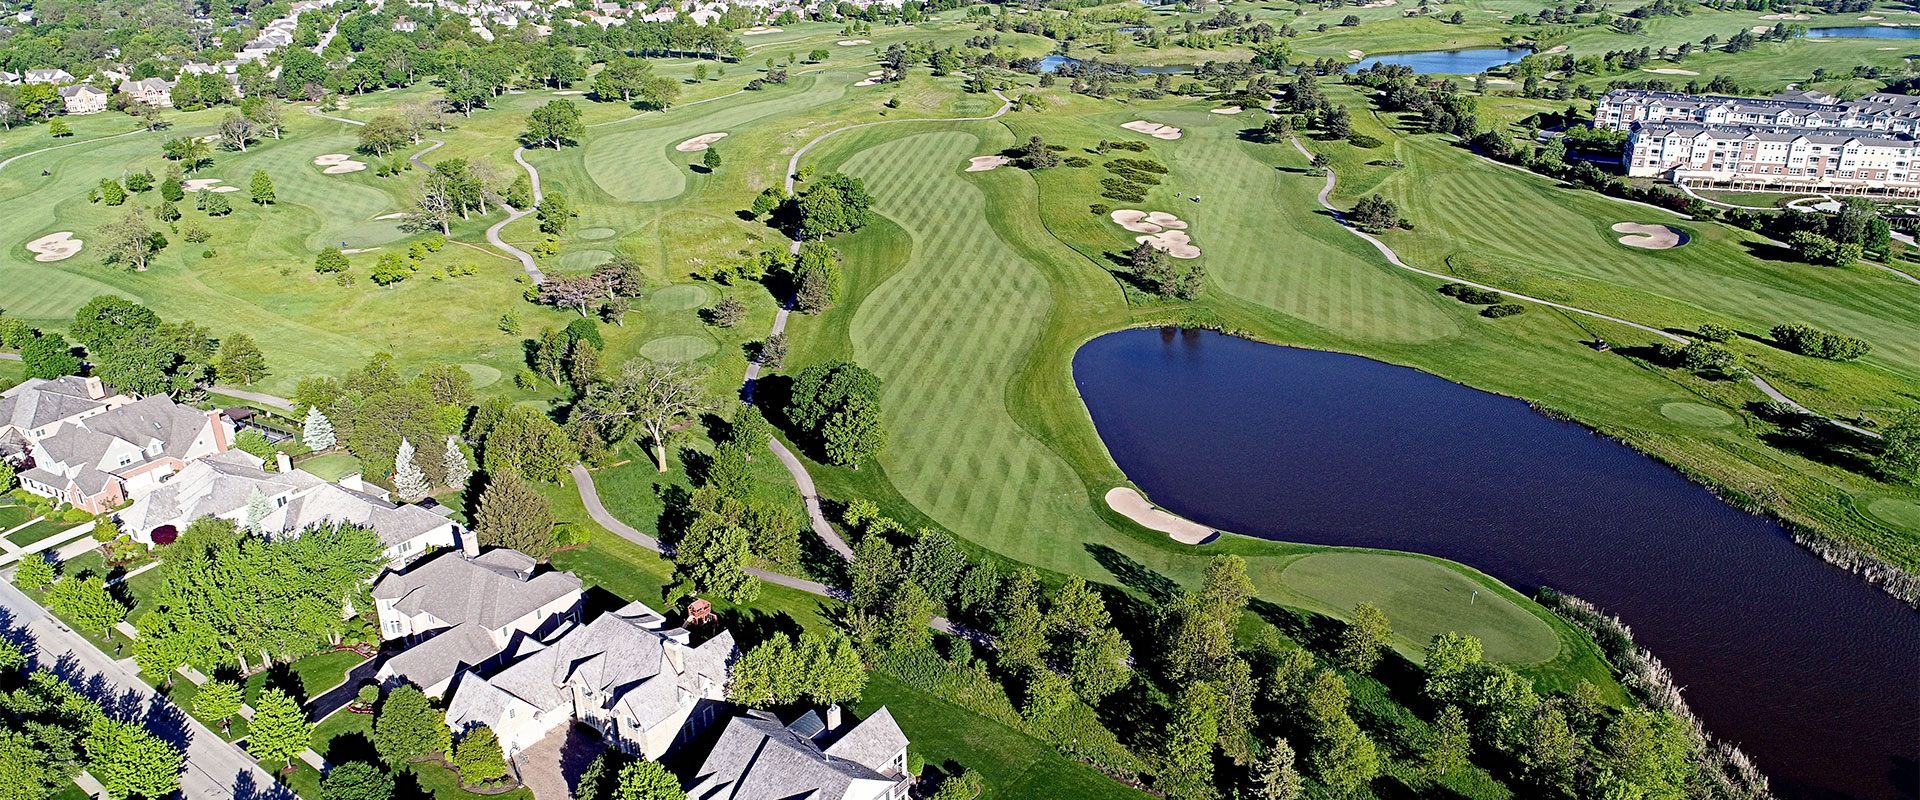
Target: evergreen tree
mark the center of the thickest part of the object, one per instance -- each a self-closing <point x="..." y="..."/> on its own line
<point x="1276" y="778"/>
<point x="279" y="729"/>
<point x="647" y="780"/>
<point x="257" y="510"/>
<point x="357" y="780"/>
<point x="408" y="480"/>
<point x="711" y="159"/>
<point x="262" y="188"/>
<point x="478" y="756"/>
<point x="512" y="514"/>
<point x="458" y="470"/>
<point x="318" y="434"/>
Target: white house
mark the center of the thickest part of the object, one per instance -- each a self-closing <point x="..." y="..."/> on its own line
<point x="81" y="98"/>
<point x="758" y="757"/>
<point x="48" y="76"/>
<point x="149" y="91"/>
<point x="99" y="459"/>
<point x="460" y="612"/>
<point x="645" y="689"/>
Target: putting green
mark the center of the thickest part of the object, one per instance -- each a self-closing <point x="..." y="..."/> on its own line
<point x="591" y="234"/>
<point x="1902" y="514"/>
<point x="678" y="348"/>
<point x="483" y="375"/>
<point x="583" y="259"/>
<point x="680" y="297"/>
<point x="1696" y="414"/>
<point x="1424" y="599"/>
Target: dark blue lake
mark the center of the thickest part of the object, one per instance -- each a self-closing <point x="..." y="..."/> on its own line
<point x="1813" y="672"/>
<point x="1448" y="62"/>
<point x="1864" y="32"/>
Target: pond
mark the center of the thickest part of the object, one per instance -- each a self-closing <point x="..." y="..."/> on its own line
<point x="1448" y="62"/>
<point x="1809" y="669"/>
<point x="1864" y="32"/>
<point x="1052" y="62"/>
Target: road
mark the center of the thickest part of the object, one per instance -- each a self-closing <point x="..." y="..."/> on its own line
<point x="215" y="769"/>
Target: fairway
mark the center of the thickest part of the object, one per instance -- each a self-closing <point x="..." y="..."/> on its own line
<point x="583" y="260"/>
<point x="1423" y="598"/>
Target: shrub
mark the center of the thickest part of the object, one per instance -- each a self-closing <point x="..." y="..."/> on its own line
<point x="1799" y="337"/>
<point x="1503" y="310"/>
<point x="1101" y="209"/>
<point x="1077" y="162"/>
<point x="1363" y="140"/>
<point x="1471" y="294"/>
<point x="1716" y="332"/>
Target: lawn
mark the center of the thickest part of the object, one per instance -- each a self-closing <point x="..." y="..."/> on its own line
<point x="332" y="466"/>
<point x="37" y="531"/>
<point x="346" y="736"/>
<point x="13" y="516"/>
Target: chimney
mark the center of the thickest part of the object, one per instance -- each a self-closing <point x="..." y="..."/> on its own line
<point x="469" y="542"/>
<point x="833" y="717"/>
<point x="94" y="390"/>
<point x="352" y="483"/>
<point x="281" y="460"/>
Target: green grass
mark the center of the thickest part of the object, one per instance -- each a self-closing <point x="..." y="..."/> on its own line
<point x="332" y="466"/>
<point x="1424" y="599"/>
<point x="13" y="516"/>
<point x="348" y="737"/>
<point x="678" y="348"/>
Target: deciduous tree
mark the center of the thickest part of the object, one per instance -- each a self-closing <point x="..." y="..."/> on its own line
<point x="555" y="124"/>
<point x="279" y="729"/>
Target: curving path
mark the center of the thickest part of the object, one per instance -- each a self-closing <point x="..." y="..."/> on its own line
<point x="3" y="164"/>
<point x="493" y="233"/>
<point x="1394" y="259"/>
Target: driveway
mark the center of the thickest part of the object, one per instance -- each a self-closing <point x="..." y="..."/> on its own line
<point x="552" y="766"/>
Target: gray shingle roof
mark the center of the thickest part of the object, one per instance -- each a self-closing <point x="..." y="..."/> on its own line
<point x="438" y="659"/>
<point x="758" y="758"/>
<point x="36" y="402"/>
<point x="458" y="590"/>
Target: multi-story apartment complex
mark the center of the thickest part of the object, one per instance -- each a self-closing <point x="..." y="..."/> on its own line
<point x="1793" y="141"/>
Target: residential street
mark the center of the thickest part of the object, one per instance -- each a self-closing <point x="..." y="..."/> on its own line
<point x="215" y="769"/>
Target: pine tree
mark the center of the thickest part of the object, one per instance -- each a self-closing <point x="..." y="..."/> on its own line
<point x="262" y="188"/>
<point x="513" y="515"/>
<point x="458" y="470"/>
<point x="407" y="477"/>
<point x="1276" y="777"/>
<point x="319" y="431"/>
<point x="257" y="511"/>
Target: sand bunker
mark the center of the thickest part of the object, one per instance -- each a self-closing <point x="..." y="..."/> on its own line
<point x="1650" y="237"/>
<point x="394" y="215"/>
<point x="359" y="250"/>
<point x="699" y="143"/>
<point x="330" y="159"/>
<point x="569" y="91"/>
<point x="1380" y="4"/>
<point x="1499" y="81"/>
<point x="1136" y="508"/>
<point x="1670" y="71"/>
<point x="853" y="42"/>
<point x="54" y="246"/>
<point x="758" y="31"/>
<point x="1227" y="110"/>
<point x="1173" y="243"/>
<point x="344" y="167"/>
<point x="224" y="189"/>
<point x="1558" y="48"/>
<point x="1153" y="129"/>
<point x="1886" y="48"/>
<point x="198" y="184"/>
<point x="1354" y="54"/>
<point x="1147" y="222"/>
<point x="985" y="163"/>
<point x="1760" y="29"/>
<point x="876" y="73"/>
<point x="867" y="82"/>
<point x="1785" y="16"/>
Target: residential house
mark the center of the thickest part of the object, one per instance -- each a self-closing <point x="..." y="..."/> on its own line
<point x="643" y="688"/>
<point x="758" y="758"/>
<point x="81" y="98"/>
<point x="460" y="611"/>
<point x="149" y="91"/>
<point x="103" y="459"/>
<point x="38" y="408"/>
<point x="48" y="76"/>
<point x="404" y="25"/>
<point x="9" y="78"/>
<point x="224" y="486"/>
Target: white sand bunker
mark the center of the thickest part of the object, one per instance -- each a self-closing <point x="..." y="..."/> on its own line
<point x="699" y="143"/>
<point x="1650" y="237"/>
<point x="394" y="215"/>
<point x="985" y="163"/>
<point x="54" y="246"/>
<point x="1785" y="16"/>
<point x="1173" y="243"/>
<point x="1760" y="29"/>
<point x="1670" y="71"/>
<point x="756" y="31"/>
<point x="351" y="251"/>
<point x="866" y="82"/>
<point x="569" y="91"/>
<point x="344" y="167"/>
<point x="1227" y="110"/>
<point x="1147" y="222"/>
<point x="1871" y="17"/>
<point x="224" y="189"/>
<point x="853" y="42"/>
<point x="1380" y="3"/>
<point x="1153" y="129"/>
<point x="199" y="184"/>
<point x="1355" y="54"/>
<point x="1136" y="508"/>
<point x="1558" y="48"/>
<point x="330" y="159"/>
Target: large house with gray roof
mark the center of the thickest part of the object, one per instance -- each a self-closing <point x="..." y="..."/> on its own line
<point x="460" y="611"/>
<point x="37" y="408"/>
<point x="759" y="758"/>
<point x="97" y="452"/>
<point x="224" y="486"/>
<point x="644" y="687"/>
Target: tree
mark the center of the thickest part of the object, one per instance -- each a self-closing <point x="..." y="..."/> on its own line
<point x="58" y="129"/>
<point x="1899" y="456"/>
<point x="140" y="181"/>
<point x="1375" y="214"/>
<point x="513" y="515"/>
<point x="458" y="471"/>
<point x="383" y="133"/>
<point x="84" y="599"/>
<point x="357" y="780"/>
<point x="130" y="762"/>
<point x="647" y="780"/>
<point x="1186" y="756"/>
<point x="555" y="124"/>
<point x="318" y="432"/>
<point x="1451" y="742"/>
<point x="1365" y="636"/>
<point x="408" y="480"/>
<point x="111" y="193"/>
<point x="236" y="131"/>
<point x="711" y="159"/>
<point x="330" y="259"/>
<point x="1345" y="760"/>
<point x="834" y="203"/>
<point x="820" y="669"/>
<point x="48" y="355"/>
<point x="258" y="509"/>
<point x="262" y="188"/>
<point x="129" y="241"/>
<point x="1150" y="267"/>
<point x="279" y="729"/>
<point x="478" y="756"/>
<point x="1036" y="155"/>
<point x="240" y="360"/>
<point x="408" y="728"/>
<point x="646" y="397"/>
<point x="660" y="92"/>
<point x="712" y="558"/>
<point x="1449" y="657"/>
<point x="555" y="215"/>
<point x="1276" y="778"/>
<point x="219" y="700"/>
<point x="34" y="573"/>
<point x="853" y="433"/>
